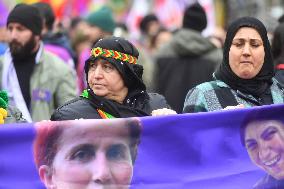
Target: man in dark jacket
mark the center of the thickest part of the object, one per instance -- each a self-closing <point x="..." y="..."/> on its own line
<point x="115" y="86"/>
<point x="56" y="42"/>
<point x="187" y="60"/>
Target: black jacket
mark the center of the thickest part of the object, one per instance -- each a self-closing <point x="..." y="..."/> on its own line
<point x="186" y="61"/>
<point x="86" y="108"/>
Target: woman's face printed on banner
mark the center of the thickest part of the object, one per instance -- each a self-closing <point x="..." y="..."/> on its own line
<point x="264" y="141"/>
<point x="90" y="158"/>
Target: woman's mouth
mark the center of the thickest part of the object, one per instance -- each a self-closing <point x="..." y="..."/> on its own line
<point x="272" y="161"/>
<point x="246" y="62"/>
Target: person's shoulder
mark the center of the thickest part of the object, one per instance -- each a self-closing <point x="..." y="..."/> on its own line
<point x="158" y="101"/>
<point x="53" y="60"/>
<point x="277" y="87"/>
<point x="208" y="86"/>
<point x="166" y="50"/>
<point x="153" y="97"/>
<point x="53" y="65"/>
<point x="77" y="102"/>
<point x="215" y="55"/>
<point x="77" y="108"/>
<point x="278" y="80"/>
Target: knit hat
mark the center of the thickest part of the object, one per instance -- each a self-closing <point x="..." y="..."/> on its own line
<point x="195" y="17"/>
<point x="123" y="56"/>
<point x="28" y="16"/>
<point x="103" y="19"/>
<point x="46" y="13"/>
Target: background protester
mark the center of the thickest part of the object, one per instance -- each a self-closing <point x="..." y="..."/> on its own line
<point x="101" y="24"/>
<point x="218" y="37"/>
<point x="87" y="154"/>
<point x="78" y="33"/>
<point x="115" y="86"/>
<point x="262" y="133"/>
<point x="149" y="26"/>
<point x="187" y="60"/>
<point x="161" y="37"/>
<point x="37" y="81"/>
<point x="277" y="48"/>
<point x="246" y="76"/>
<point x="56" y="42"/>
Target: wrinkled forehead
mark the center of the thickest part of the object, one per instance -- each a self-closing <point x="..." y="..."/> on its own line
<point x="247" y="33"/>
<point x="95" y="130"/>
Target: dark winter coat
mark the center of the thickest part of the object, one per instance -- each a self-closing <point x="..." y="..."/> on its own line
<point x="188" y="60"/>
<point x="87" y="108"/>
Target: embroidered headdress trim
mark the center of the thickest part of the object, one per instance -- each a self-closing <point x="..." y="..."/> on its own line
<point x="98" y="51"/>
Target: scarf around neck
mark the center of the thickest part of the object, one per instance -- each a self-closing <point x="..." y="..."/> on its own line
<point x="131" y="107"/>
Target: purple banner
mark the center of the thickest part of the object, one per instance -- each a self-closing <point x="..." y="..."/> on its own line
<point x="233" y="149"/>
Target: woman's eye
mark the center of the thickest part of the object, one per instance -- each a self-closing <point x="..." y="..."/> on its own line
<point x="238" y="44"/>
<point x="255" y="45"/>
<point x="251" y="146"/>
<point x="116" y="152"/>
<point x="108" y="68"/>
<point x="92" y="65"/>
<point x="270" y="135"/>
<point x="83" y="155"/>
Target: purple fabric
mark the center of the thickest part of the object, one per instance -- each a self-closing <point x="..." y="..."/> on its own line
<point x="3" y="14"/>
<point x="80" y="69"/>
<point x="17" y="169"/>
<point x="41" y="95"/>
<point x="200" y="150"/>
<point x="196" y="151"/>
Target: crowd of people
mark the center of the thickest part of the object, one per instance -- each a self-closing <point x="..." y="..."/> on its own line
<point x="51" y="72"/>
<point x="92" y="70"/>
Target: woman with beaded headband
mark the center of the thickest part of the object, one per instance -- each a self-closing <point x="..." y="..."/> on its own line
<point x="115" y="86"/>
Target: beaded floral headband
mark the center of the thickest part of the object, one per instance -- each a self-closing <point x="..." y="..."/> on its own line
<point x="98" y="51"/>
